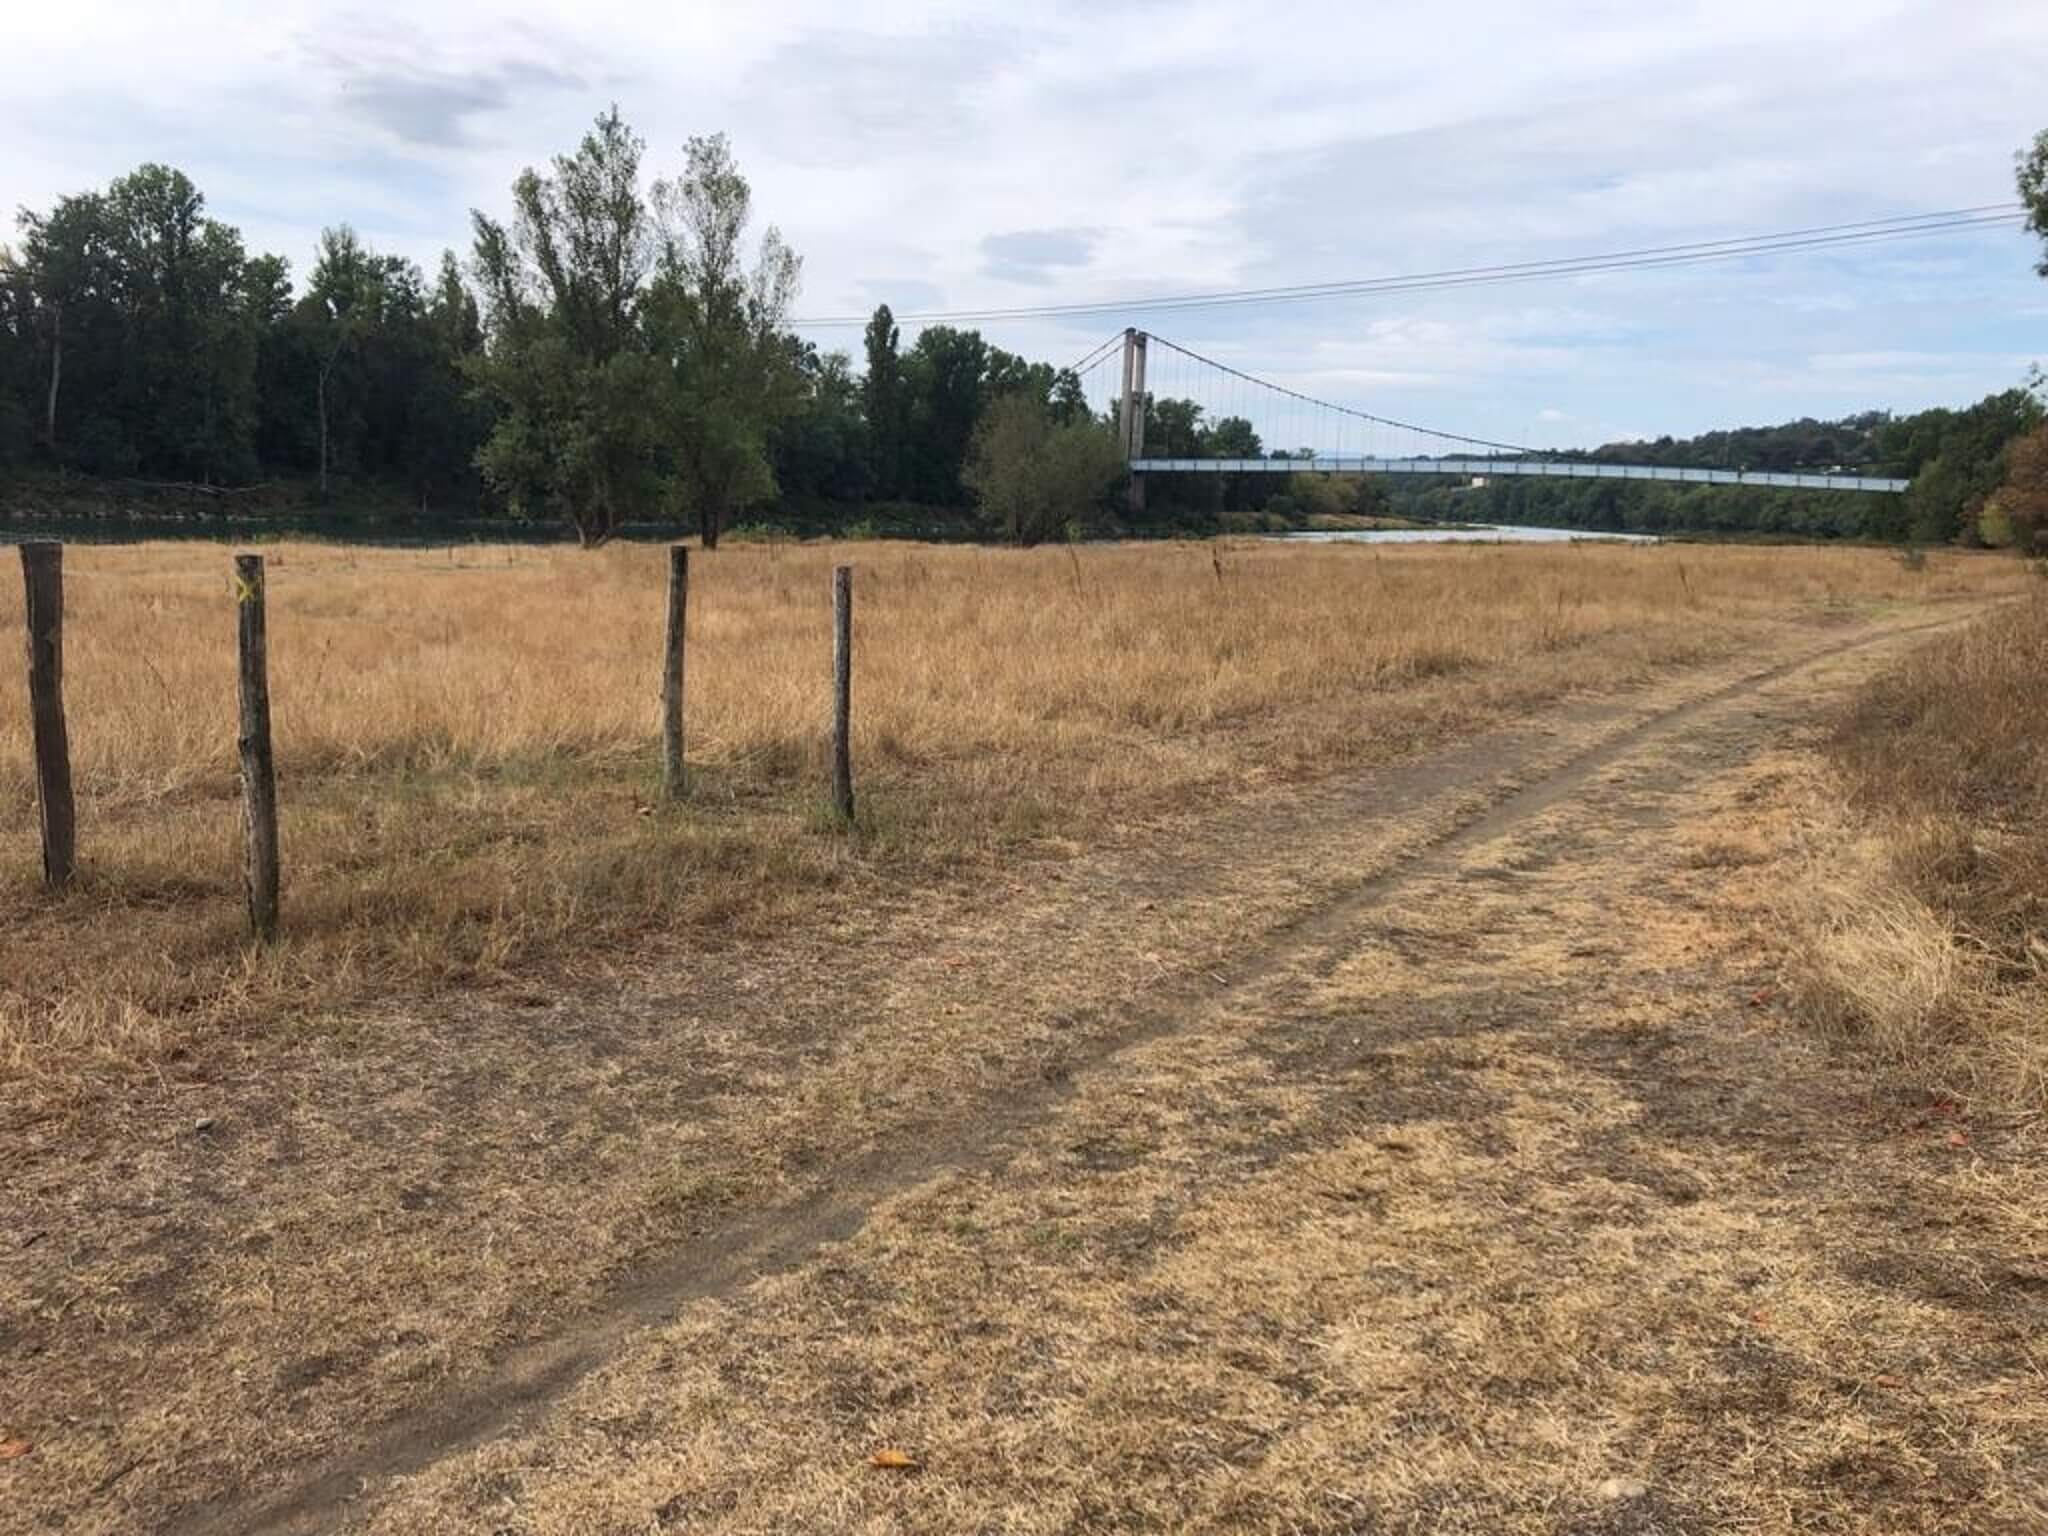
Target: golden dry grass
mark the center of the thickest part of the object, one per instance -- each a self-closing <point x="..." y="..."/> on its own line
<point x="1930" y="928"/>
<point x="466" y="737"/>
<point x="1508" y="1212"/>
<point x="1408" y="1137"/>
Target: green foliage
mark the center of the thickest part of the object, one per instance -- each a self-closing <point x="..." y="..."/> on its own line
<point x="1032" y="475"/>
<point x="715" y="325"/>
<point x="2032" y="179"/>
<point x="2022" y="502"/>
<point x="1955" y="459"/>
<point x="821" y="450"/>
<point x="1819" y="447"/>
<point x="946" y="384"/>
<point x="884" y="404"/>
<point x="1322" y="495"/>
<point x="1994" y="524"/>
<point x="147" y="329"/>
<point x="565" y="365"/>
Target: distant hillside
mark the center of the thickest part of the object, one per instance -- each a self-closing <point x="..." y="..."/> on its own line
<point x="1855" y="443"/>
<point x="1955" y="459"/>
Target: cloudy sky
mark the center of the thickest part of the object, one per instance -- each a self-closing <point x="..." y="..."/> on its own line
<point x="981" y="156"/>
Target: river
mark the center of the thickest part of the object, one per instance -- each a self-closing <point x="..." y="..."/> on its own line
<point x="1478" y="533"/>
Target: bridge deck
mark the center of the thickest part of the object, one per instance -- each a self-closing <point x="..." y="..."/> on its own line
<point x="1566" y="469"/>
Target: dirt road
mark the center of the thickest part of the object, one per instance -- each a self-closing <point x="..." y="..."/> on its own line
<point x="1430" y="1153"/>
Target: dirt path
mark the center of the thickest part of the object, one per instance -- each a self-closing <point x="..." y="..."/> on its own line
<point x="1402" y="1155"/>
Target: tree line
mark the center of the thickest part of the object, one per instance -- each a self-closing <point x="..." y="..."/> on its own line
<point x="1957" y="461"/>
<point x="619" y="351"/>
<point x="613" y="351"/>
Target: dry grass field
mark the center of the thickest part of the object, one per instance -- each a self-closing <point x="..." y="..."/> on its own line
<point x="467" y="737"/>
<point x="1300" y="1040"/>
<point x="1930" y="934"/>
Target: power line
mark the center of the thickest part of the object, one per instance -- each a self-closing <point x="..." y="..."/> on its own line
<point x="1866" y="232"/>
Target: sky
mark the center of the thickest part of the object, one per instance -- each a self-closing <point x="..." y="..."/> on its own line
<point x="997" y="155"/>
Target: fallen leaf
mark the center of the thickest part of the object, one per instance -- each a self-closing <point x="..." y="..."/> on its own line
<point x="1958" y="1139"/>
<point x="11" y="1449"/>
<point x="1894" y="1382"/>
<point x="894" y="1460"/>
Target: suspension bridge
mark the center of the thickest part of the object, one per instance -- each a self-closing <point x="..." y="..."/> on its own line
<point x="1238" y="414"/>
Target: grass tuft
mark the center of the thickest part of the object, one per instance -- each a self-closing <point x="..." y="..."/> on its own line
<point x="1930" y="938"/>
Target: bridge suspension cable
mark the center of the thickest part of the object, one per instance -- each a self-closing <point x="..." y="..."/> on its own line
<point x="1099" y="373"/>
<point x="1434" y="433"/>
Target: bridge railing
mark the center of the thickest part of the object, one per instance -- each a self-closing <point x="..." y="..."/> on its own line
<point x="1567" y="469"/>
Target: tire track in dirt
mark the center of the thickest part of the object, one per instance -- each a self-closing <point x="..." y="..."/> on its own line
<point x="725" y="1260"/>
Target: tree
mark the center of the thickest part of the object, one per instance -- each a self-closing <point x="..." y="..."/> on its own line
<point x="66" y="260"/>
<point x="1033" y="476"/>
<point x="1006" y="373"/>
<point x="189" y="353"/>
<point x="145" y="321"/>
<point x="945" y="381"/>
<point x="1323" y="495"/>
<point x="565" y="363"/>
<point x="2023" y="499"/>
<point x="2033" y="185"/>
<point x="17" y="359"/>
<point x="1231" y="437"/>
<point x="820" y="451"/>
<point x="1173" y="429"/>
<point x="1955" y="460"/>
<point x="883" y="403"/>
<point x="346" y="300"/>
<point x="717" y="328"/>
<point x="1069" y="401"/>
<point x="446" y="425"/>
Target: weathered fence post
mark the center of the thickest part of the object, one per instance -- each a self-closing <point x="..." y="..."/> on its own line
<point x="842" y="690"/>
<point x="42" y="574"/>
<point x="259" y="768"/>
<point x="672" y="779"/>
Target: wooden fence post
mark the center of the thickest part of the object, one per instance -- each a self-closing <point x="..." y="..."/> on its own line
<point x="672" y="773"/>
<point x="259" y="768"/>
<point x="842" y="690"/>
<point x="42" y="573"/>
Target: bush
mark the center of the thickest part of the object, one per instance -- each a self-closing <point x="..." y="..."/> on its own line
<point x="1032" y="476"/>
<point x="2022" y="501"/>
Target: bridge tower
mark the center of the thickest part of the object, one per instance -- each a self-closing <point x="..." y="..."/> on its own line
<point x="1130" y="421"/>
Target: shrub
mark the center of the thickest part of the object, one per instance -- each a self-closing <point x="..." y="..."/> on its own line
<point x="2023" y="500"/>
<point x="1031" y="475"/>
